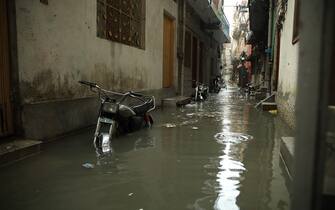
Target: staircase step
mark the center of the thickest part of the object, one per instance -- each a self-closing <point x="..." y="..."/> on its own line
<point x="267" y="106"/>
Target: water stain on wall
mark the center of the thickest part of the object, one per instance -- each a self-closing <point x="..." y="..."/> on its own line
<point x="117" y="80"/>
<point x="50" y="85"/>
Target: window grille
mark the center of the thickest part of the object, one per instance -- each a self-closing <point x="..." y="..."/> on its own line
<point x="122" y="21"/>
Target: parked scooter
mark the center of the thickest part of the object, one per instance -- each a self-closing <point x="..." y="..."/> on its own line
<point x="218" y="83"/>
<point x="116" y="116"/>
<point x="201" y="91"/>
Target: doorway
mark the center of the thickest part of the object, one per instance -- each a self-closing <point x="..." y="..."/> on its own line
<point x="168" y="51"/>
<point x="6" y="109"/>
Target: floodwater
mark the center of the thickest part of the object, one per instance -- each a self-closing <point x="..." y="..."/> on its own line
<point x="219" y="154"/>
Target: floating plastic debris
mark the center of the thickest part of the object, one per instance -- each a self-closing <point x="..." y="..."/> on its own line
<point x="209" y="115"/>
<point x="9" y="147"/>
<point x="88" y="165"/>
<point x="188" y="122"/>
<point x="274" y="112"/>
<point x="170" y="125"/>
<point x="190" y="114"/>
<point x="130" y="194"/>
<point x="195" y="128"/>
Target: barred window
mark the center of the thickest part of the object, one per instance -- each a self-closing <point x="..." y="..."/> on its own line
<point x="122" y="21"/>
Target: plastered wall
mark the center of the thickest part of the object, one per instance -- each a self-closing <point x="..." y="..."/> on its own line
<point x="57" y="46"/>
<point x="288" y="68"/>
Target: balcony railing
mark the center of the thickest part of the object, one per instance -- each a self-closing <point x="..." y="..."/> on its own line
<point x="213" y="17"/>
<point x="224" y="22"/>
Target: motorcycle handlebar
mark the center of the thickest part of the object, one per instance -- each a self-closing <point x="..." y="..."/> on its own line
<point x="91" y="84"/>
<point x="104" y="92"/>
<point x="136" y="94"/>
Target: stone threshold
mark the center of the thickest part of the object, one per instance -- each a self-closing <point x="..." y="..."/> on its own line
<point x="287" y="154"/>
<point x="287" y="158"/>
<point x="18" y="149"/>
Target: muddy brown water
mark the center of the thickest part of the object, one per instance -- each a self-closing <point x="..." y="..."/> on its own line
<point x="219" y="154"/>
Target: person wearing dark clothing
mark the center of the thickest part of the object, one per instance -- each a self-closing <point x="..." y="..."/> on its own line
<point x="243" y="75"/>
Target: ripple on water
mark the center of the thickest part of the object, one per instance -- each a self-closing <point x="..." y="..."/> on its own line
<point x="230" y="137"/>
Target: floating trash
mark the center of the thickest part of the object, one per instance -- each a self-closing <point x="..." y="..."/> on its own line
<point x="209" y="115"/>
<point x="195" y="128"/>
<point x="189" y="122"/>
<point x="190" y="114"/>
<point x="170" y="125"/>
<point x="130" y="194"/>
<point x="88" y="165"/>
<point x="229" y="137"/>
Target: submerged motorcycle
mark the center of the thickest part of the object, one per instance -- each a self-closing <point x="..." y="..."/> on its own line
<point x="119" y="113"/>
<point x="218" y="84"/>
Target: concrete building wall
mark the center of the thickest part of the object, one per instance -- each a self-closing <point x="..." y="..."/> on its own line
<point x="210" y="60"/>
<point x="288" y="69"/>
<point x="58" y="45"/>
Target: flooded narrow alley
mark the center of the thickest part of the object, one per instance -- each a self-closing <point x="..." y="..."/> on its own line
<point x="218" y="154"/>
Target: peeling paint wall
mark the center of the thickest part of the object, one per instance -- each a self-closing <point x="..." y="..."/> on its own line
<point x="288" y="69"/>
<point x="58" y="45"/>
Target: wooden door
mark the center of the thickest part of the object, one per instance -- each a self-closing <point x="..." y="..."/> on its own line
<point x="6" y="115"/>
<point x="168" y="51"/>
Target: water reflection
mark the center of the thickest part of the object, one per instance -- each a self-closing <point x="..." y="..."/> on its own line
<point x="228" y="179"/>
<point x="120" y="146"/>
<point x="231" y="167"/>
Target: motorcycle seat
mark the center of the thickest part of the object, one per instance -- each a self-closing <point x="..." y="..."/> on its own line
<point x="145" y="107"/>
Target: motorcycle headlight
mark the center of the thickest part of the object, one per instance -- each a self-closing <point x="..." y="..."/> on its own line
<point x="110" y="107"/>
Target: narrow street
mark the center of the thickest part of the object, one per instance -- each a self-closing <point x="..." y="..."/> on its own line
<point x="241" y="93"/>
<point x="217" y="154"/>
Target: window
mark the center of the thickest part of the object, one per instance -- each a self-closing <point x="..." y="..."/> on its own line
<point x="295" y="36"/>
<point x="122" y="21"/>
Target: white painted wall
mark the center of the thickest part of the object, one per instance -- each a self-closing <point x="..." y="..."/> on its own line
<point x="58" y="45"/>
<point x="288" y="67"/>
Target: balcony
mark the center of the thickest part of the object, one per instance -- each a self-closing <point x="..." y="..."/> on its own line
<point x="224" y="23"/>
<point x="214" y="19"/>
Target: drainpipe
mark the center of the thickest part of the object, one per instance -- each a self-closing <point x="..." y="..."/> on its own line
<point x="180" y="46"/>
<point x="270" y="45"/>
